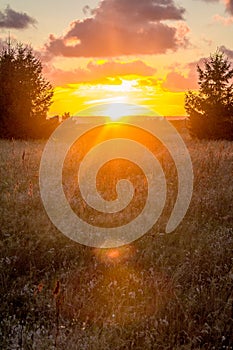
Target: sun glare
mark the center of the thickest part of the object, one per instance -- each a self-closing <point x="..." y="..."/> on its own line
<point x="125" y="86"/>
<point x="116" y="111"/>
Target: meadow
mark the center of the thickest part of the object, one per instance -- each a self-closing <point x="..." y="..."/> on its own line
<point x="164" y="291"/>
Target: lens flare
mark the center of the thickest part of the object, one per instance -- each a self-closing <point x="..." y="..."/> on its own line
<point x="58" y="208"/>
<point x="114" y="255"/>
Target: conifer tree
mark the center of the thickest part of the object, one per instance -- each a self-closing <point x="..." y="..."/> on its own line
<point x="25" y="95"/>
<point x="210" y="110"/>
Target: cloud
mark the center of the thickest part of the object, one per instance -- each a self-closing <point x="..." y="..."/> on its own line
<point x="228" y="52"/>
<point x="122" y="27"/>
<point x="176" y="81"/>
<point x="113" y="68"/>
<point x="148" y="82"/>
<point x="16" y="20"/>
<point x="139" y="11"/>
<point x="226" y="21"/>
<point x="98" y="72"/>
<point x="228" y="4"/>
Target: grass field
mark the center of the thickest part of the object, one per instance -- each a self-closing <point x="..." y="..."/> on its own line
<point x="164" y="291"/>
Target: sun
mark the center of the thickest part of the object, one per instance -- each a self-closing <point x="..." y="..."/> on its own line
<point x="118" y="110"/>
<point x="115" y="109"/>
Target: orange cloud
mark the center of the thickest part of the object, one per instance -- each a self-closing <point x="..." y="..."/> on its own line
<point x="226" y="21"/>
<point x="94" y="72"/>
<point x="177" y="81"/>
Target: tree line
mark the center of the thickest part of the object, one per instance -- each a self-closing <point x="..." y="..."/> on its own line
<point x="25" y="97"/>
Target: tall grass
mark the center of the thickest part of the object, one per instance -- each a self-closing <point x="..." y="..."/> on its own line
<point x="161" y="292"/>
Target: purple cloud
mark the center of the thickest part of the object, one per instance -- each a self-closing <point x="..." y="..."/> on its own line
<point x="16" y="20"/>
<point x="121" y="27"/>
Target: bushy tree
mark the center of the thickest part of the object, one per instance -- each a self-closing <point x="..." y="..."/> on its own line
<point x="25" y="95"/>
<point x="210" y="110"/>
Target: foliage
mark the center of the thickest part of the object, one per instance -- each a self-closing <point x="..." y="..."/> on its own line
<point x="211" y="109"/>
<point x="25" y="95"/>
<point x="65" y="115"/>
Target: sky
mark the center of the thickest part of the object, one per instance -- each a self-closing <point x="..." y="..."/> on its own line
<point x="142" y="52"/>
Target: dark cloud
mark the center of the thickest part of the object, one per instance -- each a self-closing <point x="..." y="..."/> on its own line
<point x="228" y="52"/>
<point x="87" y="10"/>
<point x="228" y="4"/>
<point x="15" y="20"/>
<point x="121" y="27"/>
<point x="98" y="72"/>
<point x="138" y="10"/>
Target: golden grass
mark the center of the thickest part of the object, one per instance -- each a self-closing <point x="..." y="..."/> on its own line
<point x="162" y="292"/>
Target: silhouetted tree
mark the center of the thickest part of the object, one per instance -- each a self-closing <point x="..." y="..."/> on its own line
<point x="210" y="110"/>
<point x="25" y="95"/>
<point x="65" y="115"/>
